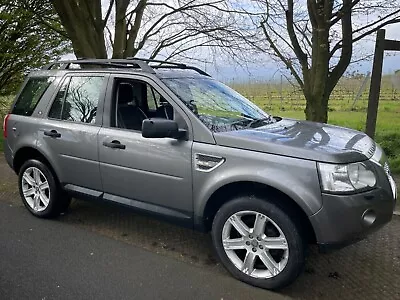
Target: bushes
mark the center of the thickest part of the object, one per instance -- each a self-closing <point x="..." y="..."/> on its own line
<point x="390" y="142"/>
<point x="4" y="107"/>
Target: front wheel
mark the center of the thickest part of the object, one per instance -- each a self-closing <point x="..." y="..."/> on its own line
<point x="258" y="243"/>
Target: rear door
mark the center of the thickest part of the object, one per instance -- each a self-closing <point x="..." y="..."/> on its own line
<point x="69" y="134"/>
<point x="153" y="174"/>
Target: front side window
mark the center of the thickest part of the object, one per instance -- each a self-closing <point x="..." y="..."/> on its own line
<point x="153" y="98"/>
<point x="31" y="94"/>
<point x="219" y="107"/>
<point x="77" y="99"/>
<point x="136" y="101"/>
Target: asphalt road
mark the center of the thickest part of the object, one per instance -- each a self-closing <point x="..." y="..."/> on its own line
<point x="137" y="257"/>
<point x="44" y="259"/>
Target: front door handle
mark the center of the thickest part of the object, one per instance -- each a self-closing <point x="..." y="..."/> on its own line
<point x="52" y="133"/>
<point x="114" y="144"/>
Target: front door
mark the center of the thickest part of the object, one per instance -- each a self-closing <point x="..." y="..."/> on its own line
<point x="151" y="174"/>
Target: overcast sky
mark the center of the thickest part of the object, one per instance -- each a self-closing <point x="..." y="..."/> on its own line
<point x="269" y="70"/>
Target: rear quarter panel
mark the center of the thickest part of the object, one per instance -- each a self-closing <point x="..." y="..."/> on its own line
<point x="21" y="133"/>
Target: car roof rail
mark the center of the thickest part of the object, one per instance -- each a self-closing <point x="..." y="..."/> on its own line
<point x="163" y="64"/>
<point x="116" y="63"/>
<point x="130" y="62"/>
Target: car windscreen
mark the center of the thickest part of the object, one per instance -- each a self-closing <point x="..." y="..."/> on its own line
<point x="218" y="106"/>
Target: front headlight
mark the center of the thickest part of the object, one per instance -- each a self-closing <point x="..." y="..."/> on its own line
<point x="346" y="178"/>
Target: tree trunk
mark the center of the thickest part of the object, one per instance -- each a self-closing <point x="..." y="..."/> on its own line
<point x="316" y="88"/>
<point x="317" y="108"/>
<point x="82" y="22"/>
<point x="120" y="32"/>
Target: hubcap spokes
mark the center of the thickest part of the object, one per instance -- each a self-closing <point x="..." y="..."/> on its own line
<point x="36" y="189"/>
<point x="255" y="244"/>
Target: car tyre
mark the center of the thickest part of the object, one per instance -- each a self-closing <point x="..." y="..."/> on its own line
<point x="40" y="191"/>
<point x="279" y="230"/>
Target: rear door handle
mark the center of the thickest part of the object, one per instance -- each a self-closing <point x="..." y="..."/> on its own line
<point x="52" y="133"/>
<point x="114" y="145"/>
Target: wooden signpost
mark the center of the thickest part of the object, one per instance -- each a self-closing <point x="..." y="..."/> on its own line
<point x="382" y="45"/>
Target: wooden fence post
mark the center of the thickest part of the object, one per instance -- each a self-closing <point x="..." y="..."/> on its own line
<point x="376" y="79"/>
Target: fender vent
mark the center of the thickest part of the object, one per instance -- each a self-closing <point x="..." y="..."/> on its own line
<point x="207" y="163"/>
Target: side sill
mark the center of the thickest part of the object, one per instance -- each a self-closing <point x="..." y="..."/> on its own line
<point x="180" y="218"/>
<point x="170" y="215"/>
<point x="82" y="191"/>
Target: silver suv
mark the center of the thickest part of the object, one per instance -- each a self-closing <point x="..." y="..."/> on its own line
<point x="167" y="139"/>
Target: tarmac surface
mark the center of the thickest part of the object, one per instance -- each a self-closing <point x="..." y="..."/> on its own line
<point x="106" y="251"/>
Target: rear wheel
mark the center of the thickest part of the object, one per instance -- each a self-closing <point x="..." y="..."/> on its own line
<point x="39" y="190"/>
<point x="258" y="243"/>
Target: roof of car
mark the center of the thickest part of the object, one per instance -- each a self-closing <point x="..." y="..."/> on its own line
<point x="163" y="69"/>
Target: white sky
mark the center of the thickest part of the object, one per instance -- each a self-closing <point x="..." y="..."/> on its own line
<point x="268" y="69"/>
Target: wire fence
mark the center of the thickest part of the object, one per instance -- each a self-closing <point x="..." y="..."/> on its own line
<point x="351" y="94"/>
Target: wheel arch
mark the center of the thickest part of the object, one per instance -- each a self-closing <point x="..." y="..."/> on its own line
<point x="25" y="153"/>
<point x="231" y="190"/>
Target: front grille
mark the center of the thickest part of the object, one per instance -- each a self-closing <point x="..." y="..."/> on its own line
<point x="371" y="150"/>
<point x="387" y="168"/>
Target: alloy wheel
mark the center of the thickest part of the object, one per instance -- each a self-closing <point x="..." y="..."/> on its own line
<point x="255" y="244"/>
<point x="36" y="189"/>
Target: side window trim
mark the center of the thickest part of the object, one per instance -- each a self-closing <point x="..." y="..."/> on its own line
<point x="66" y="80"/>
<point x="101" y="101"/>
<point x="151" y="82"/>
<point x="154" y="95"/>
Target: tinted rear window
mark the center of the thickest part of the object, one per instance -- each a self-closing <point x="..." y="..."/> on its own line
<point x="77" y="99"/>
<point x="31" y="94"/>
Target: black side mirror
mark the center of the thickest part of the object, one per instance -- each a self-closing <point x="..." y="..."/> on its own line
<point x="161" y="128"/>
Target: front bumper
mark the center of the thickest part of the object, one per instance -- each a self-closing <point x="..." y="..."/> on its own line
<point x="345" y="219"/>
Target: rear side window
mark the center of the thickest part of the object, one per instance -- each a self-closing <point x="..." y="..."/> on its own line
<point x="77" y="99"/>
<point x="30" y="95"/>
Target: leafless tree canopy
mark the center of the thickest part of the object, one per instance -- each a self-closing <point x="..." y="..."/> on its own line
<point x="164" y="29"/>
<point x="315" y="39"/>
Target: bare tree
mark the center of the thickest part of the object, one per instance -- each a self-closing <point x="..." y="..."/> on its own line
<point x="168" y="29"/>
<point x="315" y="40"/>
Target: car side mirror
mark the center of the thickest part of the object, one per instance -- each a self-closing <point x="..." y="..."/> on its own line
<point x="162" y="128"/>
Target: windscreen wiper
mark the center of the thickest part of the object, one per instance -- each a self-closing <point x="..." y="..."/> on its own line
<point x="268" y="119"/>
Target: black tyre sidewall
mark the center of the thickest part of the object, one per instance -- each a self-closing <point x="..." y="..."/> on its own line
<point x="53" y="208"/>
<point x="292" y="232"/>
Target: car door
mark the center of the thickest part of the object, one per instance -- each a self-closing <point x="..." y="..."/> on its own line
<point x="151" y="174"/>
<point x="69" y="133"/>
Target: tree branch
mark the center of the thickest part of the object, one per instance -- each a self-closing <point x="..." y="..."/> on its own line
<point x="108" y="13"/>
<point x="301" y="56"/>
<point x="278" y="53"/>
<point x="347" y="49"/>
